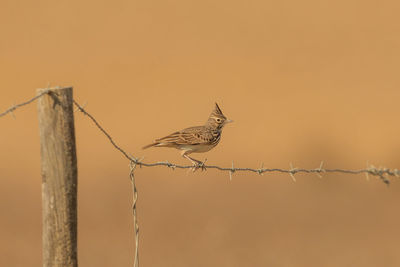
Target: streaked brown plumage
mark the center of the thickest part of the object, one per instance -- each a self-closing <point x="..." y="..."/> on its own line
<point x="196" y="139"/>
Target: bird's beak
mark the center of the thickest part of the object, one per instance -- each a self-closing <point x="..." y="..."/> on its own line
<point x="228" y="121"/>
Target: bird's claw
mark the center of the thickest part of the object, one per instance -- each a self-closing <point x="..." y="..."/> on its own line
<point x="199" y="165"/>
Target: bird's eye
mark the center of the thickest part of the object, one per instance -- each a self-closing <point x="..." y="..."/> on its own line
<point x="218" y="120"/>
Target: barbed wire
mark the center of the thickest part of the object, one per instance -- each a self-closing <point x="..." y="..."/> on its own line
<point x="382" y="172"/>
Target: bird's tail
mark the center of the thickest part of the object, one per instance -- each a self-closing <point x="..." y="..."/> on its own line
<point x="153" y="144"/>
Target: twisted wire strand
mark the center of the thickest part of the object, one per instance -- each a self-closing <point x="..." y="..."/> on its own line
<point x="132" y="166"/>
<point x="14" y="107"/>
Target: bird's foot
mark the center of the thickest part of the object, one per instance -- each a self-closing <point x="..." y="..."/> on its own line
<point x="197" y="164"/>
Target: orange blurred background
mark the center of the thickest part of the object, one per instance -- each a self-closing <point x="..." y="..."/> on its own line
<point x="304" y="81"/>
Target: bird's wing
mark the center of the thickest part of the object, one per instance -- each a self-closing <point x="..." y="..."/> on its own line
<point x="192" y="136"/>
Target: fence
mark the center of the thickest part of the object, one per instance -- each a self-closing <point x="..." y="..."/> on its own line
<point x="59" y="173"/>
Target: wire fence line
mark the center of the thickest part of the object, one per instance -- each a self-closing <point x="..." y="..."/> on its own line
<point x="381" y="172"/>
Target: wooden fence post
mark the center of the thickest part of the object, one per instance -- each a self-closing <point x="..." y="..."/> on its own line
<point x="59" y="178"/>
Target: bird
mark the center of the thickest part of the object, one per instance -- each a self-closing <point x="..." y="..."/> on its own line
<point x="197" y="139"/>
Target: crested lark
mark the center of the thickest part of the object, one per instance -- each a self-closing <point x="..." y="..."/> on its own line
<point x="196" y="139"/>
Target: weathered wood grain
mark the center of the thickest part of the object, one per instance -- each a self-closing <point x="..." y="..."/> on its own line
<point x="59" y="178"/>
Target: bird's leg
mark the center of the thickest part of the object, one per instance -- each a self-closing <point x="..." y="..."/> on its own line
<point x="196" y="163"/>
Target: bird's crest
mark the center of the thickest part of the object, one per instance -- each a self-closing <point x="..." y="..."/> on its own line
<point x="217" y="112"/>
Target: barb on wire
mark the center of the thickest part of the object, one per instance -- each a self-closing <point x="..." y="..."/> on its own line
<point x="292" y="172"/>
<point x="260" y="170"/>
<point x="135" y="221"/>
<point x="231" y="171"/>
<point x="319" y="170"/>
